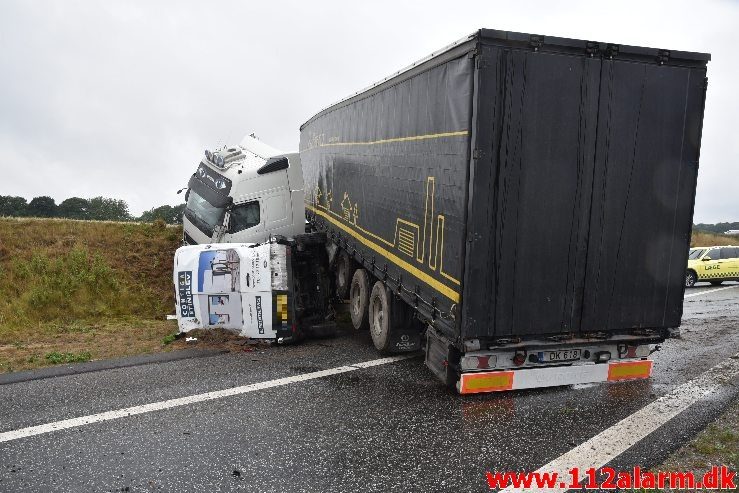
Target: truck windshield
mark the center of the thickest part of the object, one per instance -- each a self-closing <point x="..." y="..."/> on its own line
<point x="203" y="214"/>
<point x="694" y="254"/>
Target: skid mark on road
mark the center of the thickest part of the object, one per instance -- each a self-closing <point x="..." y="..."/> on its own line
<point x="192" y="399"/>
<point x="613" y="441"/>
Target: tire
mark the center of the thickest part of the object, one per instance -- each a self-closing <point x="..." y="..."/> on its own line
<point x="690" y="279"/>
<point x="359" y="294"/>
<point x="379" y="317"/>
<point x="344" y="272"/>
<point x="716" y="283"/>
<point x="391" y="322"/>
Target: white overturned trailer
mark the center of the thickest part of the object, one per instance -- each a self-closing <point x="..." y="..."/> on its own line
<point x="254" y="290"/>
<point x="238" y="287"/>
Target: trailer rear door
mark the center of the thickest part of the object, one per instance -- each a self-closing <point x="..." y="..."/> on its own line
<point x="581" y="191"/>
<point x="644" y="183"/>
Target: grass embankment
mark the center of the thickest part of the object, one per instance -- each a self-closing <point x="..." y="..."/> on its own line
<point x="704" y="239"/>
<point x="72" y="291"/>
<point x="717" y="445"/>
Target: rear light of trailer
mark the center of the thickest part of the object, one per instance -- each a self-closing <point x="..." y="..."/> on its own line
<point x="519" y="359"/>
<point x="478" y="362"/>
<point x="602" y="356"/>
<point x="643" y="351"/>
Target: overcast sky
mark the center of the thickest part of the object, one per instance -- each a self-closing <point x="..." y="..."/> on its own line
<point x="121" y="98"/>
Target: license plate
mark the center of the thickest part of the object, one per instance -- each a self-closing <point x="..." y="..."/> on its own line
<point x="560" y="355"/>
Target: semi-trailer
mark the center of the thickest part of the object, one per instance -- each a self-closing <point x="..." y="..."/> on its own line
<point x="518" y="205"/>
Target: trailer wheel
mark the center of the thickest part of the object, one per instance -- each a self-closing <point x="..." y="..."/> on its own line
<point x="344" y="272"/>
<point x="359" y="299"/>
<point x="379" y="317"/>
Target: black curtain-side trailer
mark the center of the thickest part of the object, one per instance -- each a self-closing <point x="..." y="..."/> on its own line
<point x="517" y="187"/>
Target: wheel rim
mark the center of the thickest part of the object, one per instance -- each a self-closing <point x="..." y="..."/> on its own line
<point x="342" y="271"/>
<point x="355" y="299"/>
<point x="377" y="316"/>
<point x="689" y="281"/>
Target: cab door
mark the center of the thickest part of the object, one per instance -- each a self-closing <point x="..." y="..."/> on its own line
<point x="729" y="263"/>
<point x="709" y="268"/>
<point x="245" y="223"/>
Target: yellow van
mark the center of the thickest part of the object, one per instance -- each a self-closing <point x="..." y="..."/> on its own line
<point x="712" y="264"/>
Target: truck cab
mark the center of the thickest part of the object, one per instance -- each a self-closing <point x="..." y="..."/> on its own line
<point x="244" y="194"/>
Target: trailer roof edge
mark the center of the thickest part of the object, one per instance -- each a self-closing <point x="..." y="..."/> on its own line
<point x="511" y="38"/>
<point x="457" y="48"/>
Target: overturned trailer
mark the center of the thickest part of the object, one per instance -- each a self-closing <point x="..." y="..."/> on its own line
<point x="274" y="290"/>
<point x="528" y="198"/>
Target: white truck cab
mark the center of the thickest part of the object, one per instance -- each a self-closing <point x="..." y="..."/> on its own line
<point x="244" y="194"/>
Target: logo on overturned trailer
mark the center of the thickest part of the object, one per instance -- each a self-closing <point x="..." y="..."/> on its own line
<point x="184" y="285"/>
<point x="260" y="322"/>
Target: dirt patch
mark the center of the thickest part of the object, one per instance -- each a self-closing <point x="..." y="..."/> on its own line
<point x="47" y="345"/>
<point x="220" y="339"/>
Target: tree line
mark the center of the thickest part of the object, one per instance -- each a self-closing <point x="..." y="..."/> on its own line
<point x="96" y="208"/>
<point x="716" y="228"/>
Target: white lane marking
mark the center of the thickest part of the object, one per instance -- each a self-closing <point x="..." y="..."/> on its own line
<point x="613" y="441"/>
<point x="192" y="399"/>
<point x="710" y="291"/>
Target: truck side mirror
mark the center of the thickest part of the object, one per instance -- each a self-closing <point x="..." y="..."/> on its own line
<point x="221" y="229"/>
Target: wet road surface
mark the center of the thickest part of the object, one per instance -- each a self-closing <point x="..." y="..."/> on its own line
<point x="391" y="427"/>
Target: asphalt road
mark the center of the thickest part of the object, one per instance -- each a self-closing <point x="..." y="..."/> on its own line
<point x="391" y="427"/>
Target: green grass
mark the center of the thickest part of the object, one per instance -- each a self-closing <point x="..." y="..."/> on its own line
<point x="56" y="358"/>
<point x="70" y="289"/>
<point x="169" y="338"/>
<point x="719" y="441"/>
<point x="73" y="273"/>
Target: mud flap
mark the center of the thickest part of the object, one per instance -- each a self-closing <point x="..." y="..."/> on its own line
<point x="405" y="341"/>
<point x="404" y="335"/>
<point x="442" y="358"/>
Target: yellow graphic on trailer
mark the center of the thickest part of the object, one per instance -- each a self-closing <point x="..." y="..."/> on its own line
<point x="282" y="307"/>
<point x="349" y="211"/>
<point x="320" y="140"/>
<point x="419" y="244"/>
<point x="415" y="242"/>
<point x="406" y="236"/>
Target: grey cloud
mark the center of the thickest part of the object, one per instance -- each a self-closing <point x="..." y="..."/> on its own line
<point x="120" y="98"/>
